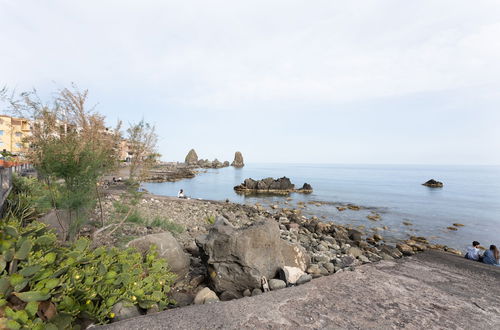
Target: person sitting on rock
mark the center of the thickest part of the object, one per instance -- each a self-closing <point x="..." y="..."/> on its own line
<point x="473" y="252"/>
<point x="492" y="256"/>
<point x="181" y="194"/>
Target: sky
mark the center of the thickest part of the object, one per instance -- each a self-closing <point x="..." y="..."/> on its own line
<point x="327" y="81"/>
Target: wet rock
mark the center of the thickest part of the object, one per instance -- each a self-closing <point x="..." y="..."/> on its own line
<point x="405" y="249"/>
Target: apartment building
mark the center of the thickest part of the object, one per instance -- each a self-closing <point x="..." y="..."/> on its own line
<point x="13" y="131"/>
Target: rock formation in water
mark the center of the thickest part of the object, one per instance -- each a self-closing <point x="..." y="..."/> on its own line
<point x="238" y="160"/>
<point x="191" y="158"/>
<point x="433" y="184"/>
<point x="269" y="185"/>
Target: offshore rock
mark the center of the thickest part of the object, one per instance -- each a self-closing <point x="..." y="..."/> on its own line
<point x="238" y="160"/>
<point x="433" y="184"/>
<point x="191" y="158"/>
<point x="271" y="186"/>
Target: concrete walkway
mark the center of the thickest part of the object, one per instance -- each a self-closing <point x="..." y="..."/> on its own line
<point x="432" y="290"/>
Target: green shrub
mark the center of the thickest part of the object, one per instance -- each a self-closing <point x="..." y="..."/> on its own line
<point x="44" y="285"/>
<point x="210" y="219"/>
<point x="167" y="224"/>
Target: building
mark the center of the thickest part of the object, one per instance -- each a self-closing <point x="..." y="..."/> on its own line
<point x="13" y="132"/>
<point x="125" y="153"/>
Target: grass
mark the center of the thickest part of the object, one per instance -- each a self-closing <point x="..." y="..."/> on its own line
<point x="167" y="224"/>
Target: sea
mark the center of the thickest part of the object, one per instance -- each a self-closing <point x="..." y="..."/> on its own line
<point x="470" y="196"/>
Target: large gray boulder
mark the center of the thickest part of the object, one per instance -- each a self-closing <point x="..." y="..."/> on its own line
<point x="238" y="160"/>
<point x="167" y="248"/>
<point x="238" y="258"/>
<point x="191" y="158"/>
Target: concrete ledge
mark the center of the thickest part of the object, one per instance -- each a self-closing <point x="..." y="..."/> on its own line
<point x="428" y="291"/>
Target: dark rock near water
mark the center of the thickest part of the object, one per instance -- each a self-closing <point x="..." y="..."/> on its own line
<point x="269" y="185"/>
<point x="433" y="184"/>
<point x="238" y="160"/>
<point x="238" y="258"/>
<point x="191" y="158"/>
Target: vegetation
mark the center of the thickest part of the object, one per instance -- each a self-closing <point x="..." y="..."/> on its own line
<point x="210" y="219"/>
<point x="142" y="140"/>
<point x="45" y="285"/>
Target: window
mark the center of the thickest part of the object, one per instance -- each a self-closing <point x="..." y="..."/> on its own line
<point x="1" y="143"/>
<point x="19" y="145"/>
<point x="18" y="134"/>
<point x="1" y="132"/>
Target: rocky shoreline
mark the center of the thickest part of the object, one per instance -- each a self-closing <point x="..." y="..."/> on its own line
<point x="215" y="269"/>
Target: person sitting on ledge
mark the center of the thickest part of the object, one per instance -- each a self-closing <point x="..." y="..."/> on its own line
<point x="473" y="252"/>
<point x="181" y="194"/>
<point x="492" y="256"/>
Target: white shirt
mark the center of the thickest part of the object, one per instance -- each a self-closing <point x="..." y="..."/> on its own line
<point x="180" y="195"/>
<point x="472" y="253"/>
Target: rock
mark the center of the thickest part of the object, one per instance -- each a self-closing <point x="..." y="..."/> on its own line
<point x="229" y="295"/>
<point x="290" y="274"/>
<point x="304" y="279"/>
<point x="237" y="258"/>
<point x="191" y="158"/>
<point x="256" y="292"/>
<point x="247" y="293"/>
<point x="192" y="249"/>
<point x="433" y="184"/>
<point x="124" y="311"/>
<point x="225" y="164"/>
<point x="329" y="267"/>
<point x="452" y="228"/>
<point x="182" y="299"/>
<point x="197" y="280"/>
<point x="355" y="235"/>
<point x="458" y="225"/>
<point x="313" y="269"/>
<point x="238" y="160"/>
<point x="391" y="251"/>
<point x="270" y="185"/>
<point x="347" y="261"/>
<point x="405" y="249"/>
<point x="355" y="252"/>
<point x="377" y="237"/>
<point x="205" y="296"/>
<point x="363" y="259"/>
<point x="275" y="284"/>
<point x="167" y="248"/>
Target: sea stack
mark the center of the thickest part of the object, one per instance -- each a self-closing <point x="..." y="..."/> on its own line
<point x="238" y="160"/>
<point x="191" y="158"/>
<point x="433" y="184"/>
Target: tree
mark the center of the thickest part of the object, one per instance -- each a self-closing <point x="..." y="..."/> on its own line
<point x="69" y="143"/>
<point x="142" y="140"/>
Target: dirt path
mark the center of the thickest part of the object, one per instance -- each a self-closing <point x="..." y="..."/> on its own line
<point x="428" y="291"/>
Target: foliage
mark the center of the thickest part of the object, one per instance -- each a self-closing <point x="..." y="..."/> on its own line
<point x="28" y="199"/>
<point x="210" y="219"/>
<point x="44" y="285"/>
<point x="142" y="140"/>
<point x="69" y="143"/>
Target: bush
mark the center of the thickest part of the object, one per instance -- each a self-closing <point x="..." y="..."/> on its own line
<point x="44" y="285"/>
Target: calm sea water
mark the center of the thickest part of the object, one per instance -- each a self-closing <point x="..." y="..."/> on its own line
<point x="471" y="196"/>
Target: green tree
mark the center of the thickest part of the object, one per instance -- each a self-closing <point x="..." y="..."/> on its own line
<point x="142" y="140"/>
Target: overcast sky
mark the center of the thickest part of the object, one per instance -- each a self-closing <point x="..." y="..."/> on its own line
<point x="385" y="81"/>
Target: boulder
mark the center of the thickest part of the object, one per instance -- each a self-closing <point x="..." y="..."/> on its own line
<point x="191" y="158"/>
<point x="238" y="160"/>
<point x="205" y="296"/>
<point x="270" y="185"/>
<point x="238" y="258"/>
<point x="433" y="184"/>
<point x="304" y="279"/>
<point x="167" y="247"/>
